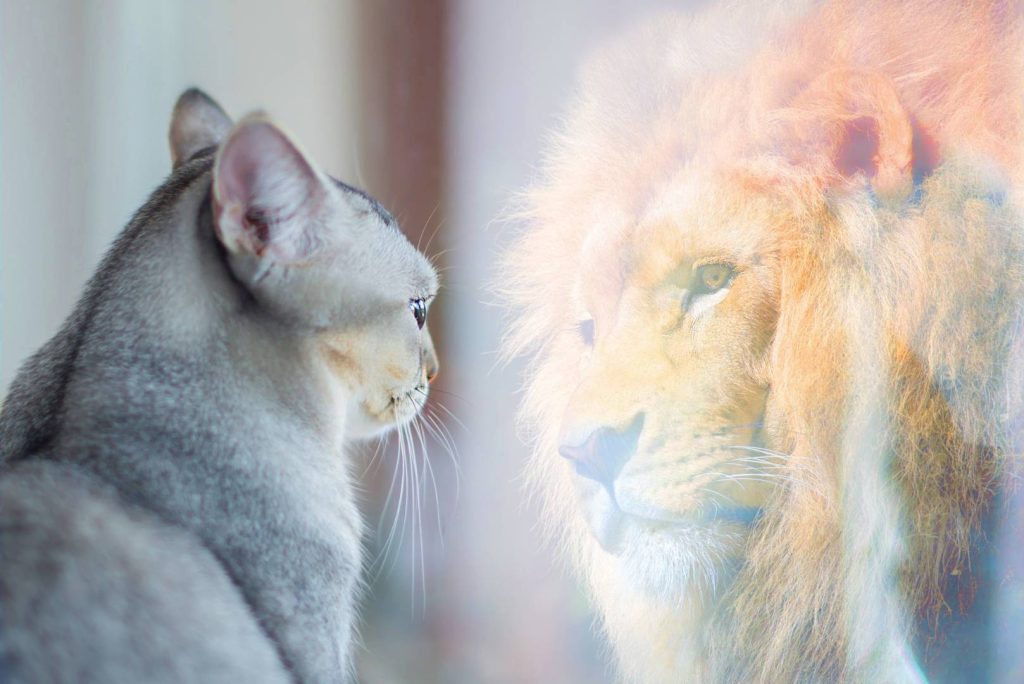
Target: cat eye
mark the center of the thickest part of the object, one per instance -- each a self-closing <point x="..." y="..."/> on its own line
<point x="586" y="330"/>
<point x="711" y="278"/>
<point x="419" y="311"/>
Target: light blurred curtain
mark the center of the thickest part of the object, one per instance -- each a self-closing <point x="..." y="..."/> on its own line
<point x="86" y="90"/>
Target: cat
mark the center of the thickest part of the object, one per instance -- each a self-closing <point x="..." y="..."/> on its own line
<point x="175" y="499"/>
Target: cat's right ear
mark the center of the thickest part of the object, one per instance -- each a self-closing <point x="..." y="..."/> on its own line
<point x="269" y="200"/>
<point x="196" y="123"/>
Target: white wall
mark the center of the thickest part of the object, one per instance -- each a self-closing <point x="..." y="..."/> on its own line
<point x="86" y="89"/>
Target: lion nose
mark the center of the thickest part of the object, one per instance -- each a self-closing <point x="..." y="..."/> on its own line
<point x="601" y="454"/>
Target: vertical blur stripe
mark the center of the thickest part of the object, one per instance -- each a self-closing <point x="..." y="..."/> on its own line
<point x="402" y="52"/>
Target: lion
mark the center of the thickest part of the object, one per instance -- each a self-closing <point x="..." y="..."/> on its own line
<point x="770" y="288"/>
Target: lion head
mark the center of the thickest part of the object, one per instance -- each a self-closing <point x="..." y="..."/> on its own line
<point x="770" y="288"/>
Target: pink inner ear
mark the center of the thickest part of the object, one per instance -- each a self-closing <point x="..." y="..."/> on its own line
<point x="255" y="222"/>
<point x="925" y="151"/>
<point x="858" y="149"/>
<point x="249" y="152"/>
<point x="269" y="193"/>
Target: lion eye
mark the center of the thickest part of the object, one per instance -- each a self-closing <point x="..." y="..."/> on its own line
<point x="419" y="311"/>
<point x="586" y="331"/>
<point x="711" y="278"/>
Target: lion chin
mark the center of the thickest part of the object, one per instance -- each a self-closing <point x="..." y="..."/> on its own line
<point x="664" y="554"/>
<point x="771" y="285"/>
<point x="667" y="562"/>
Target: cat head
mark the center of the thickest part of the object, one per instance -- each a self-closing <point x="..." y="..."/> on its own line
<point x="319" y="258"/>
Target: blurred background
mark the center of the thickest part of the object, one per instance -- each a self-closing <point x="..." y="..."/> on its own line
<point x="439" y="109"/>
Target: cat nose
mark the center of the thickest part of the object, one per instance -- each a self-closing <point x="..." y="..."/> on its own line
<point x="430" y="364"/>
<point x="601" y="454"/>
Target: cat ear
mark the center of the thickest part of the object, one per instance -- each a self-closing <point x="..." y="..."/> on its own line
<point x="268" y="198"/>
<point x="196" y="123"/>
<point x="851" y="123"/>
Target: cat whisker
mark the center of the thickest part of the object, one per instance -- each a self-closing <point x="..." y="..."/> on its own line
<point x="423" y="230"/>
<point x="451" y="415"/>
<point x="422" y="496"/>
<point x="421" y="425"/>
<point x="414" y="511"/>
<point x="436" y="391"/>
<point x="377" y="566"/>
<point x="387" y="500"/>
<point x="417" y="531"/>
<point x="444" y="437"/>
<point x="415" y="437"/>
<point x="401" y="510"/>
<point x="406" y="495"/>
<point x="443" y="252"/>
<point x="375" y="459"/>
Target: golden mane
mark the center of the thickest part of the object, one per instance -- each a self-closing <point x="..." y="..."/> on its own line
<point x="896" y="352"/>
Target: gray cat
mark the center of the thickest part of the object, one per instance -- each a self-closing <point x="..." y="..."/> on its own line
<point x="175" y="498"/>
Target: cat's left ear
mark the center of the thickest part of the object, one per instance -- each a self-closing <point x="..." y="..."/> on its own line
<point x="269" y="200"/>
<point x="196" y="123"/>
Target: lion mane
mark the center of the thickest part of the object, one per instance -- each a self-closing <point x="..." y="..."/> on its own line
<point x="889" y="133"/>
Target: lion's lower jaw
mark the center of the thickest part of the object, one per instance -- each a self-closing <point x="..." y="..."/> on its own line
<point x="655" y="603"/>
<point x="654" y="641"/>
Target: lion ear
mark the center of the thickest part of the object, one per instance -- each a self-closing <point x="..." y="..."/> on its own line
<point x="849" y="124"/>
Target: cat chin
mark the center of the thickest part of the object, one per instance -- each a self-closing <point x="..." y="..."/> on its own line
<point x="362" y="422"/>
